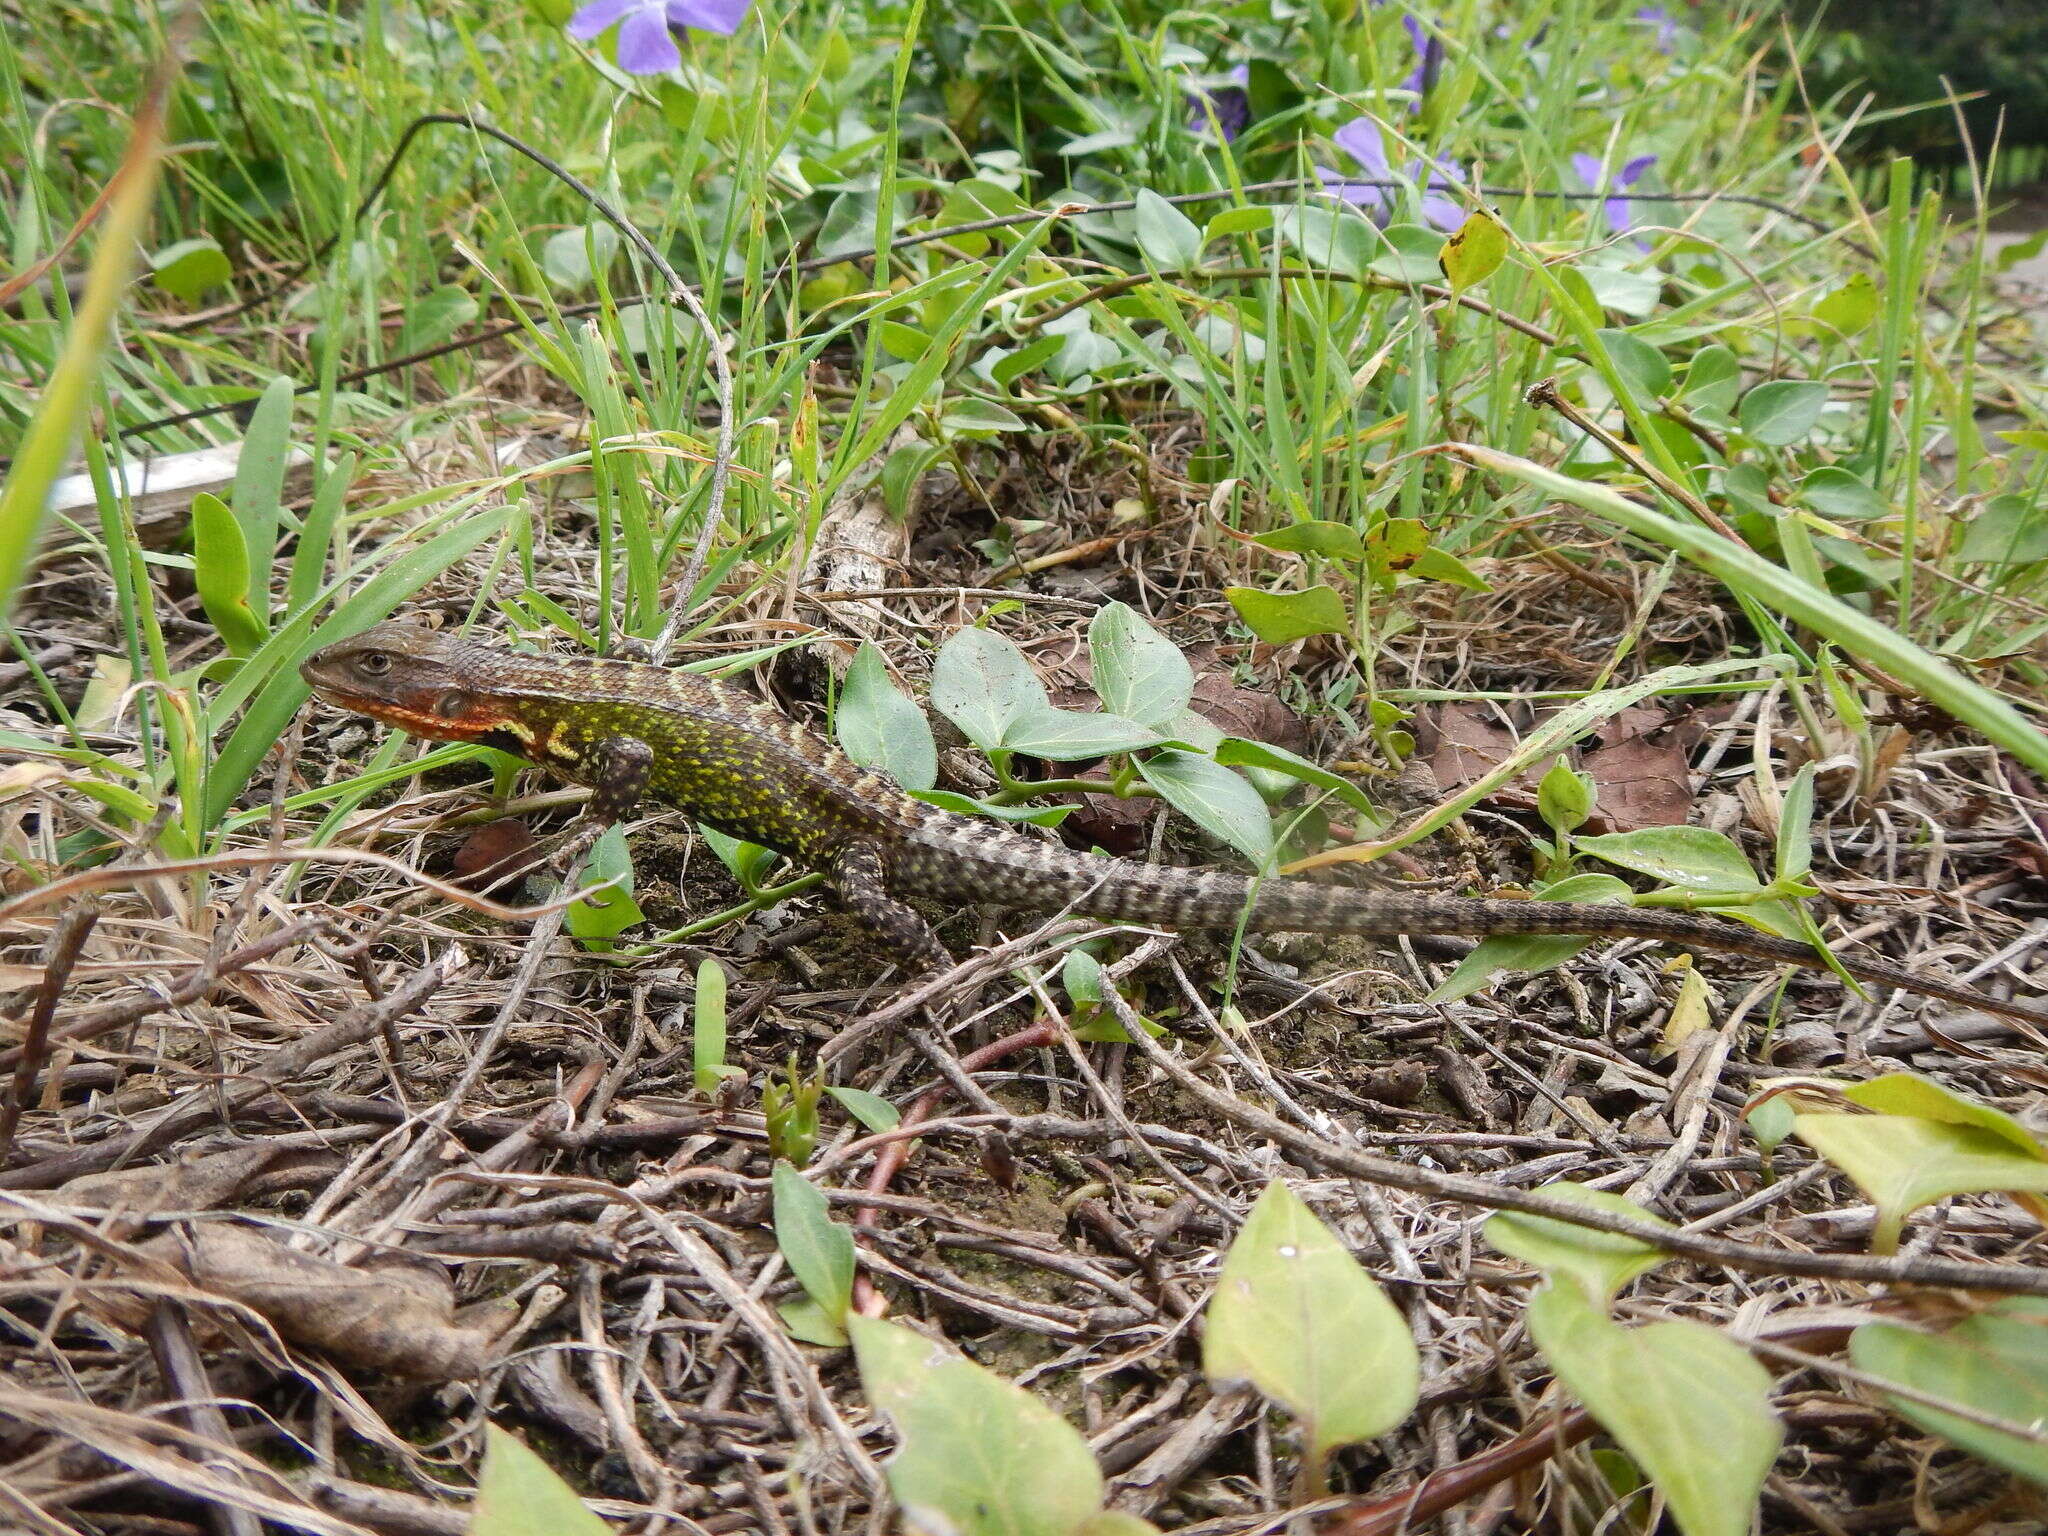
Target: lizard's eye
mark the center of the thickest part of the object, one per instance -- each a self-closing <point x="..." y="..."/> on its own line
<point x="374" y="663"/>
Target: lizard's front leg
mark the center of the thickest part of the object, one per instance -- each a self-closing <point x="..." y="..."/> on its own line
<point x="861" y="879"/>
<point x="617" y="773"/>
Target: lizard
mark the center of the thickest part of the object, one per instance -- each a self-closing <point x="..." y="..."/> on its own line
<point x="632" y="731"/>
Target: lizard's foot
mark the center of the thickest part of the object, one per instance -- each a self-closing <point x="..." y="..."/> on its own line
<point x="859" y="876"/>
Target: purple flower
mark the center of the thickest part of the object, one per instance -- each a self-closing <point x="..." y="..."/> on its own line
<point x="1590" y="170"/>
<point x="1231" y="105"/>
<point x="1666" y="25"/>
<point x="647" y="28"/>
<point x="1429" y="57"/>
<point x="1360" y="139"/>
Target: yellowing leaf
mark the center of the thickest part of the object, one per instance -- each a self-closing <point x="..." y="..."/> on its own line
<point x="1474" y="252"/>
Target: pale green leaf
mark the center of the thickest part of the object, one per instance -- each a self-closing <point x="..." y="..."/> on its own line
<point x="1138" y="672"/>
<point x="1601" y="1262"/>
<point x="1691" y="1407"/>
<point x="1296" y="1316"/>
<point x="518" y="1494"/>
<point x="1280" y="617"/>
<point x="879" y="726"/>
<point x="1995" y="1362"/>
<point x="983" y="684"/>
<point x="1903" y="1162"/>
<point x="982" y="1453"/>
<point x="1220" y="802"/>
<point x="817" y="1249"/>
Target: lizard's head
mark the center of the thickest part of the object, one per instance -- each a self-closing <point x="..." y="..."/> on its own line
<point x="404" y="675"/>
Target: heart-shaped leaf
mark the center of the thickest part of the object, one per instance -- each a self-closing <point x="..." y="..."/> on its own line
<point x="881" y="727"/>
<point x="983" y="684"/>
<point x="1691" y="1407"/>
<point x="1138" y="672"/>
<point x="982" y="1454"/>
<point x="1903" y="1162"/>
<point x="1296" y="1316"/>
<point x="1218" y="801"/>
<point x="1995" y="1362"/>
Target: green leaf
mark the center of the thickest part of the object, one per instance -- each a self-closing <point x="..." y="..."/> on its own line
<point x="1908" y="1093"/>
<point x="1691" y="1407"/>
<point x="1237" y="752"/>
<point x="1280" y="617"/>
<point x="906" y="343"/>
<point x="1795" y="828"/>
<point x="1995" y="1362"/>
<point x="1771" y="1122"/>
<point x="1474" y="253"/>
<point x="1168" y="237"/>
<point x="601" y="916"/>
<point x="1529" y="952"/>
<point x="1601" y="1262"/>
<point x="1645" y="368"/>
<point x="190" y="268"/>
<point x="566" y="258"/>
<point x="1138" y="672"/>
<point x="1850" y="307"/>
<point x="1692" y="858"/>
<point x="874" y="1112"/>
<point x="1903" y="1162"/>
<point x="1295" y="1315"/>
<point x="1338" y="242"/>
<point x="518" y="1494"/>
<point x="1218" y="801"/>
<point x="817" y="1249"/>
<point x="879" y="726"/>
<point x="1713" y="379"/>
<point x="1332" y="541"/>
<point x="811" y="1323"/>
<point x="1783" y="411"/>
<point x="983" y="684"/>
<point x="969" y="417"/>
<point x="1834" y="492"/>
<point x="1071" y="735"/>
<point x="1237" y="221"/>
<point x="1028" y="359"/>
<point x="220" y="570"/>
<point x="1438" y="564"/>
<point x="708" y="1066"/>
<point x="2007" y="530"/>
<point x="980" y="1453"/>
<point x="1081" y="975"/>
<point x="966" y="805"/>
<point x="258" y="494"/>
<point x="1408" y="253"/>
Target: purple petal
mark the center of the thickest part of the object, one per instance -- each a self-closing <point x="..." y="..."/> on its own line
<point x="1617" y="214"/>
<point x="1360" y="139"/>
<point x="646" y="46"/>
<point x="720" y="16"/>
<point x="1632" y="172"/>
<point x="1355" y="193"/>
<point x="1417" y="33"/>
<point x="1587" y="168"/>
<point x="1441" y="212"/>
<point x="593" y="18"/>
<point x="1241" y="75"/>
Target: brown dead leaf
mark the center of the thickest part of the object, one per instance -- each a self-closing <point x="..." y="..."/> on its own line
<point x="1463" y="742"/>
<point x="1641" y="774"/>
<point x="398" y="1318"/>
<point x="496" y="855"/>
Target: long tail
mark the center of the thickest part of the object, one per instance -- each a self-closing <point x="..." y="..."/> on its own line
<point x="957" y="855"/>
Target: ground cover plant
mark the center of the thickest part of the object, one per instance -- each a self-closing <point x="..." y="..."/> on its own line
<point x="1469" y="448"/>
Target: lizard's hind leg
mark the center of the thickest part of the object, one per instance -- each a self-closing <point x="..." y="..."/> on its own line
<point x="861" y="878"/>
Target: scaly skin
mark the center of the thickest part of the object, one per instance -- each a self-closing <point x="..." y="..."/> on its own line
<point x="632" y="731"/>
